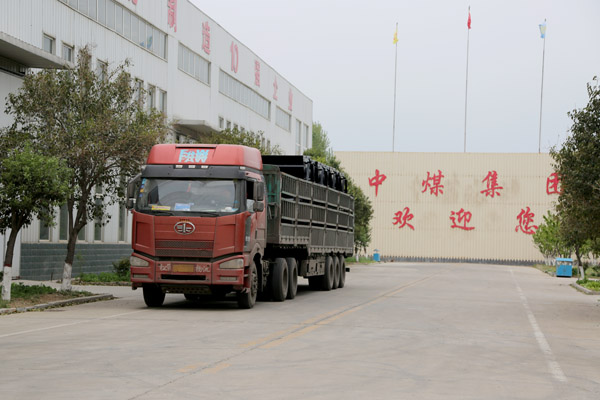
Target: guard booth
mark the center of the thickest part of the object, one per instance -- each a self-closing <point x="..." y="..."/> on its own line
<point x="564" y="267"/>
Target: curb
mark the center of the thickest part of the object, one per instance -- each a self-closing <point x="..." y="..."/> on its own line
<point x="60" y="303"/>
<point x="584" y="290"/>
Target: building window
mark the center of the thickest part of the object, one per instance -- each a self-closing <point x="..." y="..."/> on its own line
<point x="194" y="65"/>
<point x="67" y="52"/>
<point x="48" y="44"/>
<point x="139" y="90"/>
<point x="44" y="231"/>
<point x="122" y="223"/>
<point x="102" y="70"/>
<point x="221" y="123"/>
<point x="283" y="119"/>
<point x="98" y="221"/>
<point x="162" y="101"/>
<point x="306" y="137"/>
<point x="228" y="125"/>
<point x="63" y="223"/>
<point x="231" y="87"/>
<point x="298" y="137"/>
<point x="151" y="97"/>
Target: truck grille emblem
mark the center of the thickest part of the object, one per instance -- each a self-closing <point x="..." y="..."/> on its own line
<point x="184" y="227"/>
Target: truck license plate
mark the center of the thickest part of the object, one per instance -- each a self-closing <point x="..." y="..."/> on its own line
<point x="183" y="268"/>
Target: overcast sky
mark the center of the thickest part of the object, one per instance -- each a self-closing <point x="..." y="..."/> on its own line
<point x="341" y="55"/>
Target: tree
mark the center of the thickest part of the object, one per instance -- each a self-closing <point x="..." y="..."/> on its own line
<point x="363" y="210"/>
<point x="96" y="124"/>
<point x="576" y="163"/>
<point x="245" y="138"/>
<point x="32" y="184"/>
<point x="548" y="238"/>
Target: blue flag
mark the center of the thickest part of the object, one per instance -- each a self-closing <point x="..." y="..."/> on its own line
<point x="543" y="30"/>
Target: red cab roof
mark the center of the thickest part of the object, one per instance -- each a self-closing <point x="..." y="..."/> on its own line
<point x="205" y="154"/>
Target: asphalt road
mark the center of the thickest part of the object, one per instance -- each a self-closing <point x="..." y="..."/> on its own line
<point x="396" y="331"/>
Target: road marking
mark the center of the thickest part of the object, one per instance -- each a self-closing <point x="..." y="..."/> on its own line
<point x="553" y="365"/>
<point x="189" y="368"/>
<point x="70" y="324"/>
<point x="327" y="318"/>
<point x="216" y="368"/>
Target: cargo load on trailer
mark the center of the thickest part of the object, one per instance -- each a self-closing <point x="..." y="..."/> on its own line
<point x="210" y="220"/>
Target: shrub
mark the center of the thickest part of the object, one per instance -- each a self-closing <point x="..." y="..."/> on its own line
<point x="121" y="268"/>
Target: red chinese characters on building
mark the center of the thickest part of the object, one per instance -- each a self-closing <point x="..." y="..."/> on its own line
<point x="460" y="219"/>
<point x="206" y="37"/>
<point x="433" y="183"/>
<point x="402" y="217"/>
<point x="290" y="99"/>
<point x="275" y="87"/>
<point x="525" y="219"/>
<point x="377" y="180"/>
<point x="235" y="59"/>
<point x="552" y="184"/>
<point x="491" y="181"/>
<point x="256" y="72"/>
<point x="172" y="14"/>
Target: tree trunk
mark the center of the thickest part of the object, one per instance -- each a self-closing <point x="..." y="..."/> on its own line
<point x="68" y="268"/>
<point x="10" y="248"/>
<point x="579" y="263"/>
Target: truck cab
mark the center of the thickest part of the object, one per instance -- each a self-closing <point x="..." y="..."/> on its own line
<point x="199" y="224"/>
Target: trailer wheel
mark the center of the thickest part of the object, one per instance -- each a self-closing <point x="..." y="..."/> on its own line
<point x="279" y="287"/>
<point x="336" y="275"/>
<point x="293" y="277"/>
<point x="153" y="295"/>
<point x="247" y="299"/>
<point x="342" y="271"/>
<point x="327" y="283"/>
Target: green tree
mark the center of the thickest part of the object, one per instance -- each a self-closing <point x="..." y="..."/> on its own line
<point x="576" y="163"/>
<point x="548" y="238"/>
<point x="96" y="124"/>
<point x="363" y="209"/>
<point x="32" y="185"/>
<point x="245" y="138"/>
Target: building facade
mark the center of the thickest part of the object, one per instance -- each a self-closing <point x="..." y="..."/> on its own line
<point x="190" y="68"/>
<point x="463" y="207"/>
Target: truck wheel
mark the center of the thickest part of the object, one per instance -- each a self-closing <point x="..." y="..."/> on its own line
<point x="342" y="271"/>
<point x="327" y="282"/>
<point x="280" y="280"/>
<point x="336" y="275"/>
<point x="247" y="299"/>
<point x="293" y="277"/>
<point x="153" y="295"/>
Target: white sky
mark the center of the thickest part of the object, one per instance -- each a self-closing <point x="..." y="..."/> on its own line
<point x="340" y="54"/>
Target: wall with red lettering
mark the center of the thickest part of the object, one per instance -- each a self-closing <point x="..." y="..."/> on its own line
<point x="456" y="206"/>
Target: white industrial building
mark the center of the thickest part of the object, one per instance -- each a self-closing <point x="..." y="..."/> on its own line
<point x="192" y="69"/>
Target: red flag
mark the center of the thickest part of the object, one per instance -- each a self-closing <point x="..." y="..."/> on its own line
<point x="469" y="20"/>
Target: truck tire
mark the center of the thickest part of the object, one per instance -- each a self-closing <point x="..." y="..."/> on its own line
<point x="279" y="283"/>
<point x="327" y="282"/>
<point x="247" y="299"/>
<point x="153" y="295"/>
<point x="293" y="277"/>
<point x="336" y="269"/>
<point x="342" y="282"/>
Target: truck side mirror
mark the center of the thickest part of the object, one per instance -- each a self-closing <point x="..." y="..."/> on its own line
<point x="258" y="206"/>
<point x="260" y="191"/>
<point x="132" y="188"/>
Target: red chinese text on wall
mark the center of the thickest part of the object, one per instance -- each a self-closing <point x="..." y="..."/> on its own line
<point x="492" y="187"/>
<point x="290" y="99"/>
<point x="402" y="217"/>
<point x="460" y="219"/>
<point x="275" y="86"/>
<point x="433" y="183"/>
<point x="257" y="72"/>
<point x="172" y="14"/>
<point x="235" y="59"/>
<point x="552" y="184"/>
<point x="525" y="219"/>
<point x="377" y="180"/>
<point x="206" y="37"/>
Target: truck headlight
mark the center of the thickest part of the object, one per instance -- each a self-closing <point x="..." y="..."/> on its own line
<point x="236" y="263"/>
<point x="137" y="262"/>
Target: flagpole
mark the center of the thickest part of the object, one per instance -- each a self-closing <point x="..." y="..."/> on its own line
<point x="542" y="93"/>
<point x="467" y="80"/>
<point x="395" y="77"/>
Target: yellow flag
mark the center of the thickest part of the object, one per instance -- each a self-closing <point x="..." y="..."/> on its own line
<point x="396" y="35"/>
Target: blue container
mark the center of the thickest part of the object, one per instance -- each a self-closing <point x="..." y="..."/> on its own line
<point x="376" y="255"/>
<point x="564" y="267"/>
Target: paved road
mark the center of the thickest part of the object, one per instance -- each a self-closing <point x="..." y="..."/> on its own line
<point x="396" y="331"/>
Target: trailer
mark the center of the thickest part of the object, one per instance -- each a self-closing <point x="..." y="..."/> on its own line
<point x="211" y="220"/>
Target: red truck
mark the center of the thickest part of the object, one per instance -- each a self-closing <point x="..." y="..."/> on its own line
<point x="214" y="220"/>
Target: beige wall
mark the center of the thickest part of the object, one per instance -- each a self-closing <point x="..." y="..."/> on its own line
<point x="497" y="233"/>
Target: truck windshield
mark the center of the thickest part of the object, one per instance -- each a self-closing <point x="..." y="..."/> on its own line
<point x="177" y="196"/>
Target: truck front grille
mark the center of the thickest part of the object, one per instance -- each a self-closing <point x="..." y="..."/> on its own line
<point x="179" y="248"/>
